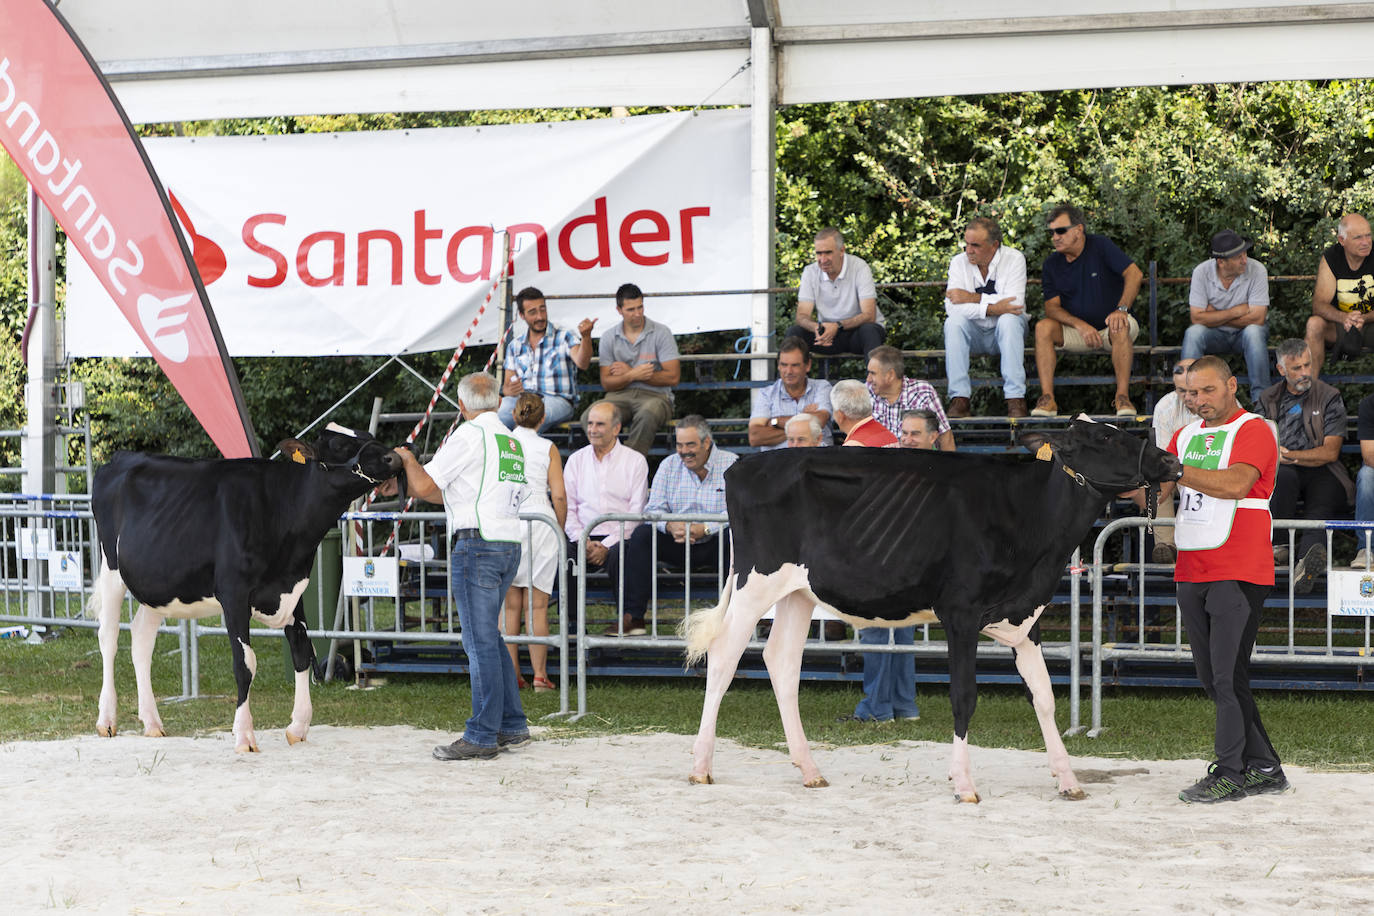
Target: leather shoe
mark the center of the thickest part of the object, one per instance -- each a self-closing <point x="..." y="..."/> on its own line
<point x="463" y="749"/>
<point x="958" y="408"/>
<point x="1016" y="407"/>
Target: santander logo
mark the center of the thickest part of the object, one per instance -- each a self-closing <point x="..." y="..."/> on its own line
<point x="164" y="320"/>
<point x="209" y="257"/>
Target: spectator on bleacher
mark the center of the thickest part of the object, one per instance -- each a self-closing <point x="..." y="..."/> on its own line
<point x="1228" y="301"/>
<point x="838" y="288"/>
<point x="1311" y="419"/>
<point x="853" y="411"/>
<point x="540" y="550"/>
<point x="639" y="365"/>
<point x="545" y="361"/>
<point x="1089" y="285"/>
<point x="920" y="429"/>
<point x="892" y="392"/>
<point x="690" y="482"/>
<point x="1364" y="479"/>
<point x="985" y="301"/>
<point x="889" y="677"/>
<point x="603" y="478"/>
<point x="1344" y="294"/>
<point x="795" y="392"/>
<point x="804" y="431"/>
<point x="1172" y="413"/>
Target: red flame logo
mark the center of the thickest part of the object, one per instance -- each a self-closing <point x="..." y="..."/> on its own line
<point x="209" y="257"/>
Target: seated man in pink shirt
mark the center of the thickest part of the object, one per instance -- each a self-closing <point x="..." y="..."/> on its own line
<point x="602" y="478"/>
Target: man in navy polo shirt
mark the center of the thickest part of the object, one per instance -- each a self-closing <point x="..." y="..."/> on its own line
<point x="1089" y="285"/>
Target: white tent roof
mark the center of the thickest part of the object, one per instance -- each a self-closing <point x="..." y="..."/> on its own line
<point x="173" y="60"/>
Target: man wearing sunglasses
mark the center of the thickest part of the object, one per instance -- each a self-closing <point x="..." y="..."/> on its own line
<point x="1089" y="285"/>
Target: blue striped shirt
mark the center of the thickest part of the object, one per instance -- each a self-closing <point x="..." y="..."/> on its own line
<point x="678" y="489"/>
<point x="548" y="368"/>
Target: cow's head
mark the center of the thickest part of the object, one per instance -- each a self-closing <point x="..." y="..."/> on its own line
<point x="1105" y="458"/>
<point x="340" y="447"/>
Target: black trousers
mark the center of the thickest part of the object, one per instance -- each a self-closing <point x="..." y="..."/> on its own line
<point x="847" y="340"/>
<point x="639" y="565"/>
<point x="1322" y="497"/>
<point x="1222" y="619"/>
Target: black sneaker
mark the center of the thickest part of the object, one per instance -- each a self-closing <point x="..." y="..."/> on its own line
<point x="1270" y="781"/>
<point x="1212" y="788"/>
<point x="463" y="749"/>
<point x="507" y="741"/>
<point x="1312" y="565"/>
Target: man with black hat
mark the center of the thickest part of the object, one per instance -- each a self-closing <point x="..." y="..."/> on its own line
<point x="1228" y="301"/>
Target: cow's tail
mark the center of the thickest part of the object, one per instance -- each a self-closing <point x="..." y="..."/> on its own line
<point x="701" y="628"/>
<point x="94" y="601"/>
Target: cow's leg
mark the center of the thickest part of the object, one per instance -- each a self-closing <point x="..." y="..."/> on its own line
<point x="963" y="698"/>
<point x="302" y="659"/>
<point x="1030" y="662"/>
<point x="144" y="637"/>
<point x="110" y="594"/>
<point x="245" y="667"/>
<point x="783" y="656"/>
<point x="722" y="657"/>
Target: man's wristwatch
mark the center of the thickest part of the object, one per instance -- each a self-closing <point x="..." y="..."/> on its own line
<point x="1123" y="308"/>
<point x="773" y="422"/>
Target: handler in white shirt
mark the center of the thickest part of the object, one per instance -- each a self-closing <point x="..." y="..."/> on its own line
<point x="985" y="300"/>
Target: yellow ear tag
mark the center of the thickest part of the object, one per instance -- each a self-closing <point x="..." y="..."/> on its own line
<point x="297" y="456"/>
<point x="1045" y="453"/>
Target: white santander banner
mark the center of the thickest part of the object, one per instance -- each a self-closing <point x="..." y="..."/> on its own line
<point x="387" y="242"/>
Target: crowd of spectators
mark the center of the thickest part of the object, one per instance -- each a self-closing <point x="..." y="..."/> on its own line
<point x="1089" y="285"/>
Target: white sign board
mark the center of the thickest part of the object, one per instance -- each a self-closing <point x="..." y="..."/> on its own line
<point x="64" y="570"/>
<point x="1350" y="593"/>
<point x="35" y="543"/>
<point x="385" y="242"/>
<point x="371" y="577"/>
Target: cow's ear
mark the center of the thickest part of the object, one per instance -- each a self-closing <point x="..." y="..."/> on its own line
<point x="1038" y="443"/>
<point x="296" y="450"/>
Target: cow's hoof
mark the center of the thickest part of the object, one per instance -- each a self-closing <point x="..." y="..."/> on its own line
<point x="154" y="731"/>
<point x="105" y="731"/>
<point x="292" y="739"/>
<point x="816" y="783"/>
<point x="246" y="749"/>
<point x="970" y="799"/>
<point x="704" y="780"/>
<point x="1074" y="794"/>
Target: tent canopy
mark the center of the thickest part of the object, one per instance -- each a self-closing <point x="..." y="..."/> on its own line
<point x="171" y="60"/>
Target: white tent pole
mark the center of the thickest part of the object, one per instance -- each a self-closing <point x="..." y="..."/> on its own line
<point x="762" y="166"/>
<point x="40" y="394"/>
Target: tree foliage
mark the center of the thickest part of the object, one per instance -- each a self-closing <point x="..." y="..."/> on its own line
<point x="1158" y="169"/>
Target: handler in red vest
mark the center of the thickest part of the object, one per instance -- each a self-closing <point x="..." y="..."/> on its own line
<point x="1225" y="571"/>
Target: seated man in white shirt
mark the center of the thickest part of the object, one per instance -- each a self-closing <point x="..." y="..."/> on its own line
<point x="602" y="478"/>
<point x="985" y="301"/>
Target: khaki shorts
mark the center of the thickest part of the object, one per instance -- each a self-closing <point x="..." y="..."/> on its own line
<point x="1074" y="340"/>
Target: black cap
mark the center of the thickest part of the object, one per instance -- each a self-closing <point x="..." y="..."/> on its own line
<point x="1227" y="244"/>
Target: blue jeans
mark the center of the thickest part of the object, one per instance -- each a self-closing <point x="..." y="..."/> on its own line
<point x="481" y="572"/>
<point x="1252" y="340"/>
<point x="1364" y="497"/>
<point x="556" y="410"/>
<point x="889" y="679"/>
<point x="1007" y="337"/>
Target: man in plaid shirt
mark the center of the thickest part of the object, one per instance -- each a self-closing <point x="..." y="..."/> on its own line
<point x="691" y="482"/>
<point x="893" y="393"/>
<point x="543" y="361"/>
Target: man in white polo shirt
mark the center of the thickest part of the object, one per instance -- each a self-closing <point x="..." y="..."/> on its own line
<point x="837" y="304"/>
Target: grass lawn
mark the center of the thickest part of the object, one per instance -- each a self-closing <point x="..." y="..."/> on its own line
<point x="50" y="691"/>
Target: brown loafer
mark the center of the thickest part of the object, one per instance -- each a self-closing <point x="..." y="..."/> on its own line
<point x="1016" y="407"/>
<point x="1045" y="407"/>
<point x="958" y="408"/>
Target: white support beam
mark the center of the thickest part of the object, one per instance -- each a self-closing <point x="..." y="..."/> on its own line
<point x="39" y="451"/>
<point x="762" y="169"/>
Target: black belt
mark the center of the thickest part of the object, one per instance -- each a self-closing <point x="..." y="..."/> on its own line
<point x="462" y="533"/>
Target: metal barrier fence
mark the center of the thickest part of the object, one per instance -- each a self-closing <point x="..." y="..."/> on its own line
<point x="1153" y="587"/>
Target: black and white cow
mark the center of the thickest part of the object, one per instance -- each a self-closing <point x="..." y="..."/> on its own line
<point x="198" y="538"/>
<point x="878" y="536"/>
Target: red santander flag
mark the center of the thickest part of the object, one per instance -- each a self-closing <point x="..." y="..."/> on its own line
<point x="65" y="129"/>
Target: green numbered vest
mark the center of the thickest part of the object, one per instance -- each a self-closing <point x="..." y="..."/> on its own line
<point x="1204" y="522"/>
<point x="502" y="486"/>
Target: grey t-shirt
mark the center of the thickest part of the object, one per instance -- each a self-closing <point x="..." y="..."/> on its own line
<point x="1250" y="288"/>
<point x="838" y="299"/>
<point x="655" y="345"/>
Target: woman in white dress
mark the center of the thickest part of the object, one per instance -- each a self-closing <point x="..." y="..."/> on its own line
<point x="541" y="548"/>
